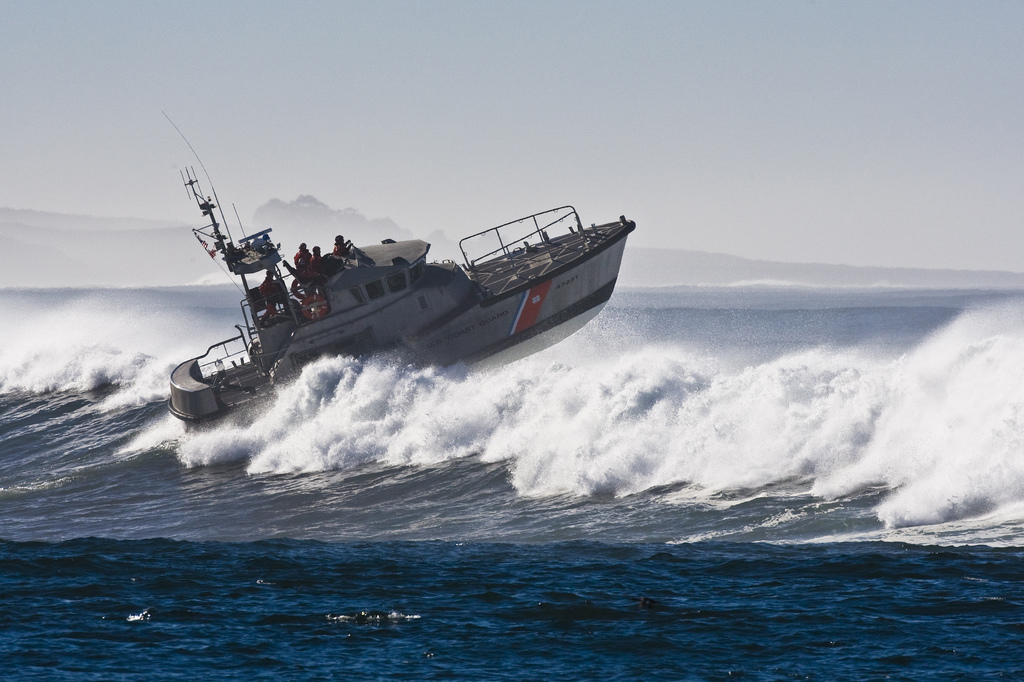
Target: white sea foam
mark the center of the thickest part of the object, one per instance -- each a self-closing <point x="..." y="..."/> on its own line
<point x="942" y="427"/>
<point x="949" y="438"/>
<point x="162" y="432"/>
<point x="85" y="340"/>
<point x="373" y="617"/>
<point x="650" y="417"/>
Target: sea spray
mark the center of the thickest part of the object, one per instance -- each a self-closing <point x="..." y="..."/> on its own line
<point x="650" y="418"/>
<point x="941" y="427"/>
<point x="343" y="412"/>
<point x="929" y="429"/>
<point x="950" y="440"/>
<point x="83" y="340"/>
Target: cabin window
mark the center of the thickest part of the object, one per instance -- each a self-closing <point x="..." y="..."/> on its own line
<point x="374" y="289"/>
<point x="417" y="271"/>
<point x="396" y="282"/>
<point x="347" y="299"/>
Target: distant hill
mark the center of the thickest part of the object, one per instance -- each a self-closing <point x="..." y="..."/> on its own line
<point x="64" y="221"/>
<point x="55" y="257"/>
<point x="57" y="250"/>
<point x="61" y="250"/>
<point x="307" y="219"/>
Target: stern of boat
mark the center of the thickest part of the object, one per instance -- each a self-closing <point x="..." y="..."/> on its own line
<point x="192" y="399"/>
<point x="214" y="383"/>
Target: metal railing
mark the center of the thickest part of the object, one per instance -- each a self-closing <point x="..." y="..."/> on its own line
<point x="213" y="367"/>
<point x="526" y="231"/>
<point x="259" y="311"/>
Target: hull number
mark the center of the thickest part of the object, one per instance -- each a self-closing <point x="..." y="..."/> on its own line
<point x="568" y="281"/>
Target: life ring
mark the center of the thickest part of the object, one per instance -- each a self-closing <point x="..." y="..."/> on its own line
<point x="315" y="306"/>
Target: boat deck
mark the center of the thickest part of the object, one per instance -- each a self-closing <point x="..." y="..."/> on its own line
<point x="239" y="384"/>
<point x="523" y="265"/>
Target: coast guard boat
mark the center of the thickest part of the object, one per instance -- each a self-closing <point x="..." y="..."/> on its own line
<point x="524" y="285"/>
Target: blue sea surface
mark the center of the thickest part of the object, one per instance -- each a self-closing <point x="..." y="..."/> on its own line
<point x="703" y="483"/>
<point x="106" y="609"/>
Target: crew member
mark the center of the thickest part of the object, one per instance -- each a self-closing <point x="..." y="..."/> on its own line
<point x="342" y="249"/>
<point x="306" y="280"/>
<point x="316" y="263"/>
<point x="303" y="254"/>
<point x="271" y="292"/>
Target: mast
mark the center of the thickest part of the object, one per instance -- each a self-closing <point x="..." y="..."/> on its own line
<point x="252" y="254"/>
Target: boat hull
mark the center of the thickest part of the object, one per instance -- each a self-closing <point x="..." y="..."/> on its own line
<point x="495" y="327"/>
<point x="543" y="338"/>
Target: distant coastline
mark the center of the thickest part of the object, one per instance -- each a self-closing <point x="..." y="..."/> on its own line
<point x="59" y="250"/>
<point x="645" y="267"/>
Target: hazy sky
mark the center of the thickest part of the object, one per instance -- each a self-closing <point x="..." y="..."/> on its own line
<point x="866" y="133"/>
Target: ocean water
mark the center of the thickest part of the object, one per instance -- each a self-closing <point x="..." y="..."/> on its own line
<point x="703" y="483"/>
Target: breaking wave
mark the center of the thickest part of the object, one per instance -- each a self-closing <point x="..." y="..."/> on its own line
<point x="611" y="411"/>
<point x="84" y="340"/>
<point x="942" y="427"/>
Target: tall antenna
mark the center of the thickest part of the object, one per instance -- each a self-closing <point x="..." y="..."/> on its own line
<point x="205" y="172"/>
<point x="238" y="218"/>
